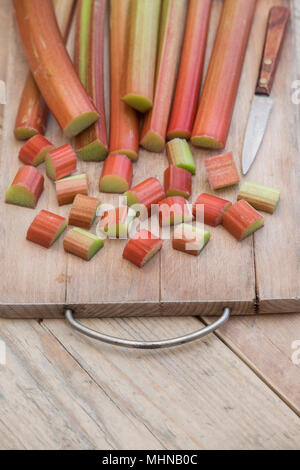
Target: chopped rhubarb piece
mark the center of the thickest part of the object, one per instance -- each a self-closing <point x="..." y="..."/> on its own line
<point x="190" y="69"/>
<point x="116" y="223"/>
<point x="141" y="248"/>
<point x="222" y="80"/>
<point x="26" y="188"/>
<point x="190" y="239"/>
<point x="180" y="154"/>
<point x="35" y="150"/>
<point x="51" y="66"/>
<point x="124" y="122"/>
<point x="68" y="188"/>
<point x="147" y="193"/>
<point x="174" y="210"/>
<point x="153" y="136"/>
<point x="177" y="182"/>
<point x="83" y="211"/>
<point x="116" y="174"/>
<point x="33" y="112"/>
<point x="46" y="228"/>
<point x="61" y="162"/>
<point x="81" y="243"/>
<point x="214" y="208"/>
<point x="260" y="197"/>
<point x="91" y="145"/>
<point x="142" y="51"/>
<point x="221" y="171"/>
<point x="241" y="220"/>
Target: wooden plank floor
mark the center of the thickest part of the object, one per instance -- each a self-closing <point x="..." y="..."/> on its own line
<point x="236" y="389"/>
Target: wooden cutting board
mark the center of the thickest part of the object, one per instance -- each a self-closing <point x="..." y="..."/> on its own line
<point x="259" y="275"/>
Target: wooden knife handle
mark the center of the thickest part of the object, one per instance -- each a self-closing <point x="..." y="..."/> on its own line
<point x="277" y="23"/>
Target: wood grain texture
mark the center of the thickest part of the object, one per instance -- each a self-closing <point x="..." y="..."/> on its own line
<point x="198" y="396"/>
<point x="265" y="342"/>
<point x="244" y="276"/>
<point x="277" y="24"/>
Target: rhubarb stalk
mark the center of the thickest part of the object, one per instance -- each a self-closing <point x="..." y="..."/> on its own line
<point x="190" y="70"/>
<point x="34" y="151"/>
<point x="83" y="211"/>
<point x="46" y="228"/>
<point x="216" y="107"/>
<point x="141" y="248"/>
<point x="68" y="188"/>
<point x="213" y="207"/>
<point x="260" y="197"/>
<point x="81" y="243"/>
<point x="154" y="130"/>
<point x="26" y="188"/>
<point x="33" y="112"/>
<point x="124" y="123"/>
<point x="61" y="162"/>
<point x="51" y="66"/>
<point x="142" y="49"/>
<point x="116" y="174"/>
<point x="91" y="145"/>
<point x="190" y="239"/>
<point x="241" y="220"/>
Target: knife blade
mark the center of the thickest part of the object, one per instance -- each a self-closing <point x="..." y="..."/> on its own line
<point x="261" y="106"/>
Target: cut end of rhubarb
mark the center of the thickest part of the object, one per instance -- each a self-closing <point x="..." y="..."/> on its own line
<point x="131" y="198"/>
<point x="141" y="248"/>
<point x="50" y="170"/>
<point x="253" y="227"/>
<point x="207" y="142"/>
<point x="153" y="142"/>
<point x="94" y="152"/>
<point x="23" y="133"/>
<point x="20" y="196"/>
<point x="80" y="123"/>
<point x="179" y="134"/>
<point x="113" y="184"/>
<point x="138" y="102"/>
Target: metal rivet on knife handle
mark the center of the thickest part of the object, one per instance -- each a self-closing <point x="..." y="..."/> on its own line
<point x="277" y="23"/>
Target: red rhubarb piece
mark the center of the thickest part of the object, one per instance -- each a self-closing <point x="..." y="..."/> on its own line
<point x="177" y="182"/>
<point x="35" y="150"/>
<point x="212" y="207"/>
<point x="26" y="188"/>
<point x="61" y="162"/>
<point x="221" y="171"/>
<point x="46" y="228"/>
<point x="142" y="247"/>
<point x="241" y="220"/>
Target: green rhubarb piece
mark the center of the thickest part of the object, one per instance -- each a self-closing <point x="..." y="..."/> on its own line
<point x="260" y="197"/>
<point x="180" y="154"/>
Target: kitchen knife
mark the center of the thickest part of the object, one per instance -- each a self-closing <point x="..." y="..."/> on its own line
<point x="262" y="103"/>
